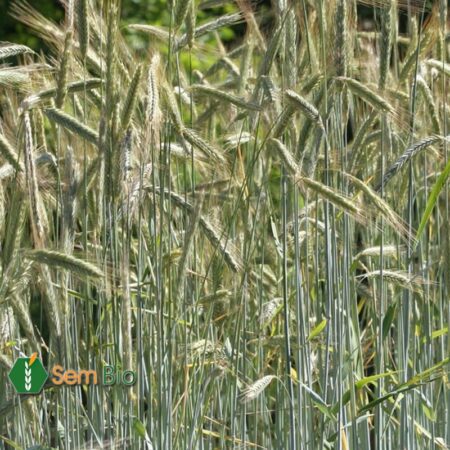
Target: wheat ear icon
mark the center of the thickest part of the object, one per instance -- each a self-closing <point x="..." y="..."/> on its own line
<point x="28" y="365"/>
<point x="27" y="377"/>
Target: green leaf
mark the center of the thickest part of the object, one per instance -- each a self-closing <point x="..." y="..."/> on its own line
<point x="429" y="413"/>
<point x="358" y="385"/>
<point x="40" y="447"/>
<point x="139" y="427"/>
<point x="439" y="333"/>
<point x="317" y="329"/>
<point x="345" y="399"/>
<point x="414" y="382"/>
<point x="436" y="334"/>
<point x="424" y="376"/>
<point x="11" y="443"/>
<point x="383" y="398"/>
<point x="315" y="397"/>
<point x="388" y="319"/>
<point x="372" y="379"/>
<point x="432" y="199"/>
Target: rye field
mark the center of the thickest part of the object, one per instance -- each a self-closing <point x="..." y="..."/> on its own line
<point x="256" y="227"/>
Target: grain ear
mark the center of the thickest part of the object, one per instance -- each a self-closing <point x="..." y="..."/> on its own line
<point x="256" y="389"/>
<point x="70" y="123"/>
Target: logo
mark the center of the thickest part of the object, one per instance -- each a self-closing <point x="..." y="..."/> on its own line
<point x="110" y="376"/>
<point x="28" y="375"/>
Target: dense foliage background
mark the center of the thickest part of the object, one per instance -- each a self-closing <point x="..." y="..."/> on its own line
<point x="247" y="203"/>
